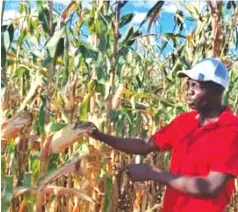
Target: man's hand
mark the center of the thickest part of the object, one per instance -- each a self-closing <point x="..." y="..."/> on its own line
<point x="93" y="131"/>
<point x="128" y="145"/>
<point x="138" y="172"/>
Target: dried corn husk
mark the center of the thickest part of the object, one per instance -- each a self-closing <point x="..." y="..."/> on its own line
<point x="69" y="134"/>
<point x="67" y="168"/>
<point x="118" y="95"/>
<point x="57" y="190"/>
<point x="75" y="165"/>
<point x="16" y="125"/>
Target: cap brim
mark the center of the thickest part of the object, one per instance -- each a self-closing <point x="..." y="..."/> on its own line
<point x="186" y="73"/>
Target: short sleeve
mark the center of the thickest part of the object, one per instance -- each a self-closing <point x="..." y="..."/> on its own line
<point x="164" y="137"/>
<point x="224" y="154"/>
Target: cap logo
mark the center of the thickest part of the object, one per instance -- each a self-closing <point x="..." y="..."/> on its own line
<point x="201" y="76"/>
<point x="219" y="72"/>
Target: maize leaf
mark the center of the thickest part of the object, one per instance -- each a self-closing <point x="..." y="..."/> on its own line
<point x="57" y="190"/>
<point x="50" y="176"/>
<point x="69" y="167"/>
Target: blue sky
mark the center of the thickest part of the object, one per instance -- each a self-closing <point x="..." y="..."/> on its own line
<point x="139" y="8"/>
<point x="164" y="24"/>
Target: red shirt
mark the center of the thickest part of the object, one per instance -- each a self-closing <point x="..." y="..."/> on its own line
<point x="195" y="152"/>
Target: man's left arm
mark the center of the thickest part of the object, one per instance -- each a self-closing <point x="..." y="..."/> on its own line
<point x="207" y="186"/>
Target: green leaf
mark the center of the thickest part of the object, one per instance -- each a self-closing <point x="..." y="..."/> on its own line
<point x="3" y="165"/>
<point x="42" y="115"/>
<point x="101" y="74"/>
<point x="130" y="36"/>
<point x="103" y="28"/>
<point x="23" y="37"/>
<point x="11" y="146"/>
<point x="6" y="39"/>
<point x="178" y="18"/>
<point x="119" y="126"/>
<point x="174" y="35"/>
<point x="88" y="52"/>
<point x="83" y="107"/>
<point x="19" y="72"/>
<point x="7" y="192"/>
<point x="60" y="50"/>
<point x="153" y="14"/>
<point x="52" y="44"/>
<point x="103" y="42"/>
<point x="114" y="116"/>
<point x="27" y="179"/>
<point x="108" y="194"/>
<point x="53" y="162"/>
<point x="66" y="60"/>
<point x="226" y="98"/>
<point x="129" y="33"/>
<point x="3" y="53"/>
<point x="56" y="127"/>
<point x="20" y="8"/>
<point x="43" y="15"/>
<point x="125" y="19"/>
<point x="236" y="29"/>
<point x="34" y="163"/>
<point x="24" y="7"/>
<point x="11" y="32"/>
<point x="30" y="25"/>
<point x="166" y="159"/>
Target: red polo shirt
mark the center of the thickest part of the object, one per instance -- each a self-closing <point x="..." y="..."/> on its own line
<point x="195" y="151"/>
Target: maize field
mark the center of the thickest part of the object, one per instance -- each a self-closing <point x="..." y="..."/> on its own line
<point x="64" y="69"/>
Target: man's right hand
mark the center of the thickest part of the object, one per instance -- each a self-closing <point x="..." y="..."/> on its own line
<point x="94" y="131"/>
<point x="128" y="145"/>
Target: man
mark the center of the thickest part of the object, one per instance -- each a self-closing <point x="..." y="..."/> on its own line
<point x="203" y="144"/>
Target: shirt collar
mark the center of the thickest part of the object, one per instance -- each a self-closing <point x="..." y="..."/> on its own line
<point x="224" y="116"/>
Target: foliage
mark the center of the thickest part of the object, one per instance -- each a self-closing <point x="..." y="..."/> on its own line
<point x="120" y="81"/>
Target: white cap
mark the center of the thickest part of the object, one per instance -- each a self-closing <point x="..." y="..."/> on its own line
<point x="208" y="69"/>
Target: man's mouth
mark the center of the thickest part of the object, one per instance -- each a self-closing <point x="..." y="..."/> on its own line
<point x="189" y="100"/>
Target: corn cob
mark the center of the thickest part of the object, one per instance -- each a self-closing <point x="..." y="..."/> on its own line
<point x="69" y="134"/>
<point x="16" y="125"/>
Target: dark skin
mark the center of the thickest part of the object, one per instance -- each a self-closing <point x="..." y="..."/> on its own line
<point x="206" y="97"/>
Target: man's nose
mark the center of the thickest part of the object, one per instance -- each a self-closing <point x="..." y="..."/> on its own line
<point x="190" y="91"/>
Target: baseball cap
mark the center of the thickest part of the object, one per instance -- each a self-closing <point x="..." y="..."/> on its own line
<point x="208" y="69"/>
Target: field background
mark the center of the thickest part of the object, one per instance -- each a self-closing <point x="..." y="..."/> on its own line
<point x="92" y="64"/>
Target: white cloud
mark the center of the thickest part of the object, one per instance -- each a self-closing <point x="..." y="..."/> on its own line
<point x="8" y="15"/>
<point x="170" y="7"/>
<point x="87" y="4"/>
<point x="63" y="1"/>
<point x="143" y="3"/>
<point x="138" y="18"/>
<point x="199" y="4"/>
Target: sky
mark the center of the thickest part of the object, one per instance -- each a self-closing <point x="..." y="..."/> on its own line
<point x="140" y="8"/>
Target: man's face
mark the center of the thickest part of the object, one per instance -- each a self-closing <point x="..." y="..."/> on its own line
<point x="198" y="96"/>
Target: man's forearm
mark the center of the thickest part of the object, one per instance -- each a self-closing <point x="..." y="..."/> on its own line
<point x="128" y="145"/>
<point x="200" y="186"/>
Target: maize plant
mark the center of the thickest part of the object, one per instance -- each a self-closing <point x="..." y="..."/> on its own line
<point x="63" y="70"/>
